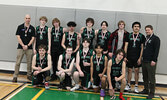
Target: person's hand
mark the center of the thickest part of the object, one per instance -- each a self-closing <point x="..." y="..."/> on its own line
<point x="86" y="64"/>
<point x="91" y="79"/>
<point x="81" y="74"/>
<point x="139" y="61"/>
<point x="39" y="68"/>
<point x="126" y="60"/>
<point x="116" y="79"/>
<point x="36" y="73"/>
<point x="100" y="75"/>
<point x="79" y="36"/>
<point x="110" y="54"/>
<point x="25" y="47"/>
<point x="153" y="63"/>
<point x="34" y="51"/>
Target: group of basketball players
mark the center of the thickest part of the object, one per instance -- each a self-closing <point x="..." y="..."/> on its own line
<point x="97" y="58"/>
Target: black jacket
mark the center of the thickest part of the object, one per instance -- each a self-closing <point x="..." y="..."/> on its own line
<point x="151" y="49"/>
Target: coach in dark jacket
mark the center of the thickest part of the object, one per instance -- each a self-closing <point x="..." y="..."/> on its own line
<point x="150" y="55"/>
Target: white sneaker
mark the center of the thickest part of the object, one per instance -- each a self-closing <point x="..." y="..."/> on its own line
<point x="128" y="87"/>
<point x="136" y="89"/>
<point x="89" y="84"/>
<point x="75" y="87"/>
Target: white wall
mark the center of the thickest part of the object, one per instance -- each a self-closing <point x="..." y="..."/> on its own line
<point x="138" y="6"/>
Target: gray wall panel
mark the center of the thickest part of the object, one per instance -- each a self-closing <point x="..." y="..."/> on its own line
<point x="64" y="15"/>
<point x="162" y="33"/>
<point x="98" y="16"/>
<point x="11" y="17"/>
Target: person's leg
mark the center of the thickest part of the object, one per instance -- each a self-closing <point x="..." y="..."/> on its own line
<point x="112" y="91"/>
<point x="20" y="54"/>
<point x="46" y="76"/>
<point x="103" y="86"/>
<point x="123" y="83"/>
<point x="85" y="81"/>
<point x="76" y="80"/>
<point x="54" y="65"/>
<point x="29" y="54"/>
<point x="37" y="79"/>
<point x="145" y="77"/>
<point x="96" y="83"/>
<point x="136" y="78"/>
<point x="128" y="86"/>
<point x="67" y="81"/>
<point x="151" y="78"/>
<point x="62" y="83"/>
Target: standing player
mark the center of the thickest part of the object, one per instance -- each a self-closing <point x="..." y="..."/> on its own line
<point x="98" y="70"/>
<point x="103" y="36"/>
<point x="117" y="39"/>
<point x="134" y="49"/>
<point x="116" y="72"/>
<point x="65" y="66"/>
<point x="70" y="38"/>
<point x="56" y="33"/>
<point x="42" y="36"/>
<point x="88" y="31"/>
<point x="83" y="65"/>
<point x="41" y="64"/>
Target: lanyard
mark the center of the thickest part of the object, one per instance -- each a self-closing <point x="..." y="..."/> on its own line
<point x="88" y="33"/>
<point x="41" y="63"/>
<point x="85" y="53"/>
<point x="98" y="61"/>
<point x="41" y="31"/>
<point x="134" y="40"/>
<point x="103" y="35"/>
<point x="70" y="38"/>
<point x="67" y="61"/>
<point x="147" y="39"/>
<point x="56" y="32"/>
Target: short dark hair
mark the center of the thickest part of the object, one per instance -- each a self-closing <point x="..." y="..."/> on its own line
<point x="86" y="39"/>
<point x="42" y="46"/>
<point x="91" y="20"/>
<point x="149" y="26"/>
<point x="98" y="45"/>
<point x="104" y="22"/>
<point x="68" y="47"/>
<point x="136" y="23"/>
<point x="71" y="23"/>
<point x="119" y="51"/>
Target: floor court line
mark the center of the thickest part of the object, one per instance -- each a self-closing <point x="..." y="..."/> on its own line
<point x="38" y="94"/>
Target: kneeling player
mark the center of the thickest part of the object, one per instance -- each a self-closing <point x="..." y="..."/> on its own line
<point x="83" y="66"/>
<point x="41" y="64"/>
<point x="65" y="66"/>
<point x="98" y="70"/>
<point x="116" y="72"/>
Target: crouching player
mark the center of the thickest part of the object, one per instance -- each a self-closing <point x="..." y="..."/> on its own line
<point x="116" y="72"/>
<point x="98" y="70"/>
<point x="41" y="65"/>
<point x="65" y="66"/>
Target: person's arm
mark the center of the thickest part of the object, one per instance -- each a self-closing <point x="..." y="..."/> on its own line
<point x="108" y="73"/>
<point x="19" y="40"/>
<point x="110" y="41"/>
<point x="78" y="44"/>
<point x="63" y="41"/>
<point x="49" y="64"/>
<point x="123" y="71"/>
<point x="34" y="63"/>
<point x="125" y="49"/>
<point x="49" y="40"/>
<point x="31" y="41"/>
<point x="91" y="68"/>
<point x="105" y="65"/>
<point x="141" y="53"/>
<point x="60" y="63"/>
<point x="81" y="30"/>
<point x="34" y="46"/>
<point x="65" y="30"/>
<point x="156" y="48"/>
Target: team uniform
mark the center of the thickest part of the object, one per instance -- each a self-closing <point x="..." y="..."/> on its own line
<point x="41" y="36"/>
<point x="134" y="48"/>
<point x="90" y="35"/>
<point x="85" y="69"/>
<point x="102" y="39"/>
<point x="66" y="65"/>
<point x="71" y="40"/>
<point x="43" y="63"/>
<point x="56" y="48"/>
<point x="98" y="67"/>
<point x="116" y="71"/>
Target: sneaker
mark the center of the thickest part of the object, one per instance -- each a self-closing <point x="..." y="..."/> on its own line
<point x="150" y="96"/>
<point x="46" y="85"/>
<point x="89" y="84"/>
<point x="136" y="89"/>
<point x="144" y="92"/>
<point x="75" y="87"/>
<point x="14" y="79"/>
<point x="102" y="93"/>
<point x="128" y="87"/>
<point x="29" y="78"/>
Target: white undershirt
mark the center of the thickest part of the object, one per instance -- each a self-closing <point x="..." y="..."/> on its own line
<point x="120" y="39"/>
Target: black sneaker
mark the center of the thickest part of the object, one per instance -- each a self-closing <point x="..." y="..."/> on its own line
<point x="14" y="79"/>
<point x="150" y="96"/>
<point x="53" y="77"/>
<point x="144" y="91"/>
<point x="29" y="78"/>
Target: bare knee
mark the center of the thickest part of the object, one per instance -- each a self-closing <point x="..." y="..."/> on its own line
<point x="129" y="70"/>
<point x="76" y="74"/>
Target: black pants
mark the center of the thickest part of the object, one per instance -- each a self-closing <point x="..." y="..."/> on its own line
<point x="38" y="79"/>
<point x="55" y="58"/>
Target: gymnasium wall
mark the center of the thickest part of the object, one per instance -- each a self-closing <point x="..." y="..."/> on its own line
<point x="11" y="16"/>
